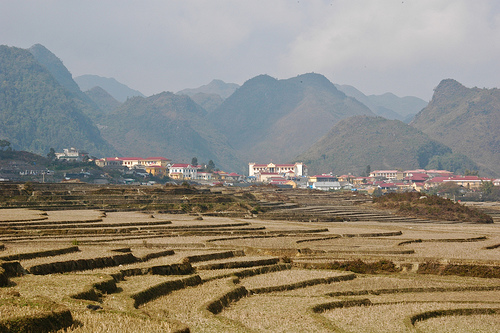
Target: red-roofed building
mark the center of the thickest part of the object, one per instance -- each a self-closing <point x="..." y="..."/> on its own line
<point x="469" y="182"/>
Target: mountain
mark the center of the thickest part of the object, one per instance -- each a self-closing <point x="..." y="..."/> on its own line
<point x="356" y="142"/>
<point x="218" y="87"/>
<point x="37" y="113"/>
<point x="209" y="102"/>
<point x="268" y="119"/>
<point x="168" y="125"/>
<point x="56" y="67"/>
<point x="102" y="99"/>
<point x="467" y="120"/>
<point x="118" y="90"/>
<point x="387" y="105"/>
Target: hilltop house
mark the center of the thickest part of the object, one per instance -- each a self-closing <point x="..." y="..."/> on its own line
<point x="72" y="154"/>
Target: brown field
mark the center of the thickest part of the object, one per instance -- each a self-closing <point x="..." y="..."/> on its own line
<point x="180" y="265"/>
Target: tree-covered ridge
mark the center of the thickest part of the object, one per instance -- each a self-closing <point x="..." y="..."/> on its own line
<point x="467" y="120"/>
<point x="270" y="119"/>
<point x="37" y="113"/>
<point x="168" y="125"/>
<point x="359" y="141"/>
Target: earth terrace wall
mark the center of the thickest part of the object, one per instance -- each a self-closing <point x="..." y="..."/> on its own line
<point x="482" y="271"/>
<point x="303" y="284"/>
<point x="82" y="264"/>
<point x="214" y="256"/>
<point x="239" y="264"/>
<point x="40" y="254"/>
<point x="450" y="312"/>
<point x="164" y="288"/>
<point x="48" y="321"/>
<point x="94" y="291"/>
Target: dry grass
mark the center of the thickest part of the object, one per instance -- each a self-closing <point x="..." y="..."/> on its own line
<point x="377" y="282"/>
<point x="284" y="311"/>
<point x="188" y="306"/>
<point x="273" y="313"/>
<point x="108" y="322"/>
<point x="460" y="324"/>
<point x="286" y="277"/>
<point x="386" y="317"/>
<point x="20" y="214"/>
<point x="54" y="286"/>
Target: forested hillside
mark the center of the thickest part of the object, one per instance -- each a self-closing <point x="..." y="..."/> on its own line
<point x="358" y="142"/>
<point x="467" y="120"/>
<point x="168" y="125"/>
<point x="37" y="113"/>
<point x="269" y="119"/>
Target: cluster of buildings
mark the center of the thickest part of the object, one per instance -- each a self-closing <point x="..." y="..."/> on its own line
<point x="287" y="175"/>
<point x="296" y="175"/>
<point x="399" y="181"/>
<point x="161" y="167"/>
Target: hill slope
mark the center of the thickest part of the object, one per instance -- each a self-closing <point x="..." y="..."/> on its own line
<point x="467" y="120"/>
<point x="102" y="99"/>
<point x="56" y="67"/>
<point x="359" y="141"/>
<point x="217" y="87"/>
<point x="168" y="125"/>
<point x="387" y="105"/>
<point x="37" y="113"/>
<point x="268" y="119"/>
<point x="118" y="90"/>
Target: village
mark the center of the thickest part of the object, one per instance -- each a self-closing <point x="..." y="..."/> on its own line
<point x="285" y="175"/>
<point x="154" y="170"/>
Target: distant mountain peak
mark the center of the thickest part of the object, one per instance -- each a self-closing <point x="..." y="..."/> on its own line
<point x="450" y="86"/>
<point x="118" y="90"/>
<point x="216" y="86"/>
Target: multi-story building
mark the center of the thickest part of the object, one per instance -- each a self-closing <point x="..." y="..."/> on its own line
<point x="182" y="171"/>
<point x="298" y="169"/>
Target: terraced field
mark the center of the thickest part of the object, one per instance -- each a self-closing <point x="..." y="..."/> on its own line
<point x="313" y="264"/>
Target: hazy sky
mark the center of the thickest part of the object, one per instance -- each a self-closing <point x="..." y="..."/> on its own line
<point x="406" y="46"/>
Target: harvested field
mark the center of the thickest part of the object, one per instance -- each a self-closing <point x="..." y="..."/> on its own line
<point x="392" y="317"/>
<point x="460" y="324"/>
<point x="213" y="272"/>
<point x="293" y="279"/>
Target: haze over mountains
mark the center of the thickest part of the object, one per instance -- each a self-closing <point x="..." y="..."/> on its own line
<point x="333" y="128"/>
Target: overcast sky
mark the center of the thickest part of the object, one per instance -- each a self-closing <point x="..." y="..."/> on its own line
<point x="401" y="46"/>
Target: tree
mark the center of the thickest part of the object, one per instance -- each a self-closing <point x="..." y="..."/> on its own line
<point x="487" y="187"/>
<point x="211" y="166"/>
<point x="52" y="154"/>
<point x="368" y="170"/>
<point x="4" y="143"/>
<point x="194" y="161"/>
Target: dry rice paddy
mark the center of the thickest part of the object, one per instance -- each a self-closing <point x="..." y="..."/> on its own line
<point x="213" y="249"/>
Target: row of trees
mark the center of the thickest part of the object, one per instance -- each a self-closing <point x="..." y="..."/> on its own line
<point x="210" y="167"/>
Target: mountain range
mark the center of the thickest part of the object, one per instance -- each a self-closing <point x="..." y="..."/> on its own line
<point x="333" y="128"/>
<point x="118" y="90"/>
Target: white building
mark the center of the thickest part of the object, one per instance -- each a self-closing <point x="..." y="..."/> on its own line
<point x="182" y="171"/>
<point x="289" y="170"/>
<point x="72" y="154"/>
